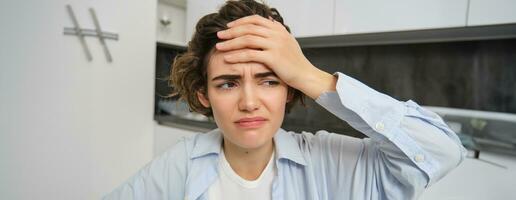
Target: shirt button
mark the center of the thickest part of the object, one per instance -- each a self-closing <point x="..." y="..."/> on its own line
<point x="419" y="158"/>
<point x="379" y="126"/>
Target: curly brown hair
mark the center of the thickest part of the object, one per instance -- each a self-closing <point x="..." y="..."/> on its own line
<point x="189" y="70"/>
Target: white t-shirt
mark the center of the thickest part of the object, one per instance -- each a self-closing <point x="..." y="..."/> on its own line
<point x="230" y="186"/>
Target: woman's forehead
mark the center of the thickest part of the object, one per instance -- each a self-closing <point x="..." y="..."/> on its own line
<point x="217" y="66"/>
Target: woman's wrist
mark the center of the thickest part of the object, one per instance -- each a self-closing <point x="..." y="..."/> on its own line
<point x="315" y="82"/>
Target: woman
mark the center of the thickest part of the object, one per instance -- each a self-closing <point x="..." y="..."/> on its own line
<point x="246" y="74"/>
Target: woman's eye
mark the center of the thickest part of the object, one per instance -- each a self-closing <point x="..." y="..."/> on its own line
<point x="227" y="85"/>
<point x="271" y="83"/>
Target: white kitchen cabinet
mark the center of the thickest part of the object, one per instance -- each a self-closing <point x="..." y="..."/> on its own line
<point x="174" y="32"/>
<point x="490" y="12"/>
<point x="195" y="9"/>
<point x="306" y="17"/>
<point x="72" y="128"/>
<point x="369" y="16"/>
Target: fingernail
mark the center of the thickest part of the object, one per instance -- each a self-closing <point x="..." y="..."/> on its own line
<point x="219" y="45"/>
<point x="230" y="24"/>
<point x="220" y="33"/>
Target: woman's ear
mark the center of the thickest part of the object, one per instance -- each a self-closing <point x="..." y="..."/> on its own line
<point x="203" y="99"/>
<point x="290" y="95"/>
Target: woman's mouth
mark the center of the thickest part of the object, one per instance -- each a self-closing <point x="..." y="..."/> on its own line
<point x="251" y="122"/>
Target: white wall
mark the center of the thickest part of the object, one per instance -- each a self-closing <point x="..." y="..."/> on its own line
<point x="69" y="128"/>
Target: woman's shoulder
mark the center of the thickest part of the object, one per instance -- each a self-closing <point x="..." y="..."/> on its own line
<point x="186" y="145"/>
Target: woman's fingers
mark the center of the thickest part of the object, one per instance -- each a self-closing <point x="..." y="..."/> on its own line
<point x="246" y="55"/>
<point x="242" y="42"/>
<point x="245" y="29"/>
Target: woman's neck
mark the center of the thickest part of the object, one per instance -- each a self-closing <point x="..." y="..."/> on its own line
<point x="248" y="163"/>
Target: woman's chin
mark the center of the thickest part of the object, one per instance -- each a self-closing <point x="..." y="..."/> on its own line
<point x="249" y="138"/>
<point x="252" y="140"/>
<point x="251" y="144"/>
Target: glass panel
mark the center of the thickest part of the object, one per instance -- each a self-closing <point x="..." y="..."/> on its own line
<point x="481" y="130"/>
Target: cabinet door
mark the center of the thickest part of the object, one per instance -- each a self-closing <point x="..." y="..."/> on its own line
<point x="173" y="33"/>
<point x="195" y="9"/>
<point x="366" y="16"/>
<point x="306" y="17"/>
<point x="487" y="12"/>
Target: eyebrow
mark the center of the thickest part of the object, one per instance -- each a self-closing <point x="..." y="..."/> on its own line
<point x="236" y="77"/>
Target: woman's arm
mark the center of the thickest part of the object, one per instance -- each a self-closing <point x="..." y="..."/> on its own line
<point x="409" y="146"/>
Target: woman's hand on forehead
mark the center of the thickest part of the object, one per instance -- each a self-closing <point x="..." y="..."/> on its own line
<point x="258" y="39"/>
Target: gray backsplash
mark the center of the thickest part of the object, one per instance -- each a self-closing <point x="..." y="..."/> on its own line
<point x="477" y="75"/>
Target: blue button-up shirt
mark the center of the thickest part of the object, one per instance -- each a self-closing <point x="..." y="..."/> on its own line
<point x="408" y="149"/>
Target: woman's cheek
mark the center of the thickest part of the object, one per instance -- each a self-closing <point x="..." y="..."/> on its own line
<point x="276" y="98"/>
<point x="223" y="100"/>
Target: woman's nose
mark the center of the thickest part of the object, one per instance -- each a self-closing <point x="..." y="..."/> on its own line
<point x="248" y="99"/>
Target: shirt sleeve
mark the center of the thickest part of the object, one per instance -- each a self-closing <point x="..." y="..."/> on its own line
<point x="409" y="147"/>
<point x="163" y="178"/>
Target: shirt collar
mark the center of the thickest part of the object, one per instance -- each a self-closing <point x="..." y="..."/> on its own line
<point x="286" y="146"/>
<point x="207" y="143"/>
